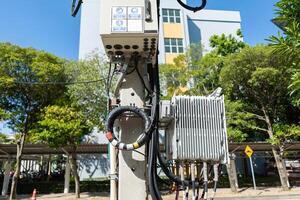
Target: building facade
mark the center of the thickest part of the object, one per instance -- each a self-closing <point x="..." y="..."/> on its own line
<point x="179" y="28"/>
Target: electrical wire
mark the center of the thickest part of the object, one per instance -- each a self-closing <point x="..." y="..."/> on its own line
<point x="55" y="83"/>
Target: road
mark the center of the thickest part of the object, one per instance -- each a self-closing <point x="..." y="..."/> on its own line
<point x="287" y="197"/>
<point x="222" y="194"/>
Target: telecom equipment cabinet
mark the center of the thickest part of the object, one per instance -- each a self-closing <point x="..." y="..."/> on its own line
<point x="198" y="129"/>
<point x="130" y="27"/>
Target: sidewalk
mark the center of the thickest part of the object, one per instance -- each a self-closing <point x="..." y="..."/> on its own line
<point x="221" y="193"/>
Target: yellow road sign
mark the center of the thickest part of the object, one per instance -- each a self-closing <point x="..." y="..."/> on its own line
<point x="248" y="151"/>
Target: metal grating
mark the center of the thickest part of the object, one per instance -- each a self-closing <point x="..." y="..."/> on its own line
<point x="199" y="129"/>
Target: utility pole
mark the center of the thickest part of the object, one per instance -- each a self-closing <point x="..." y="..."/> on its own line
<point x="132" y="165"/>
<point x="129" y="33"/>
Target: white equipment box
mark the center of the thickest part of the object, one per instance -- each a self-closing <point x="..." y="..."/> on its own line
<point x="129" y="26"/>
<point x="198" y="131"/>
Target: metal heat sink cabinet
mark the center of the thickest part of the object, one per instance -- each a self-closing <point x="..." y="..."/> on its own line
<point x="198" y="129"/>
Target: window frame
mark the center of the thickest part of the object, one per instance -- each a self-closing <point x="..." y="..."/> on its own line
<point x="171" y="15"/>
<point x="174" y="45"/>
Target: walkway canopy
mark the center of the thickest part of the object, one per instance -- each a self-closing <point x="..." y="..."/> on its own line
<point x="10" y="150"/>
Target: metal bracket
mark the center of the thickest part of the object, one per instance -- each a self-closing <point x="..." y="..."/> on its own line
<point x="113" y="177"/>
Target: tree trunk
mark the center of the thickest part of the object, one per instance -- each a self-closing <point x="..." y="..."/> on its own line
<point x="48" y="168"/>
<point x="231" y="170"/>
<point x="73" y="166"/>
<point x="280" y="163"/>
<point x="20" y="146"/>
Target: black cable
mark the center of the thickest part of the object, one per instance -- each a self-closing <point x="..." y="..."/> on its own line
<point x="144" y="136"/>
<point x="75" y="7"/>
<point x="141" y="78"/>
<point x="192" y="8"/>
<point x="173" y="177"/>
<point x="108" y="81"/>
<point x="130" y="72"/>
<point x="154" y="144"/>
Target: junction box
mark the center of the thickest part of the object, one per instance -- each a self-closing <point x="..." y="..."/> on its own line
<point x="130" y="28"/>
<point x="197" y="131"/>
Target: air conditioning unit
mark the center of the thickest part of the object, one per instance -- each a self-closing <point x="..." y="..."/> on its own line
<point x="129" y="27"/>
<point x="198" y="131"/>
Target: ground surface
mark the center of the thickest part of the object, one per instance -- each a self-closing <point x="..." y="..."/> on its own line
<point x="223" y="194"/>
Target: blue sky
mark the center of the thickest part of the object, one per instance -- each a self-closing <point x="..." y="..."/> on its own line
<point x="47" y="24"/>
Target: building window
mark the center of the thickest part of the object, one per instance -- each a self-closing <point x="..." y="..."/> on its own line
<point x="171" y="15"/>
<point x="173" y="45"/>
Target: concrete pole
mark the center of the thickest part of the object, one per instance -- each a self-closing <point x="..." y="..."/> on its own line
<point x="7" y="168"/>
<point x="132" y="165"/>
<point x="67" y="177"/>
<point x="232" y="175"/>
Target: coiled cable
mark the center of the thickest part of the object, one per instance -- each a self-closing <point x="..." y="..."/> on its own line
<point x="144" y="136"/>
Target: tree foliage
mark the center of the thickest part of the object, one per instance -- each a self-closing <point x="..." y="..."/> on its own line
<point x="91" y="98"/>
<point x="21" y="95"/>
<point x="294" y="88"/>
<point x="224" y="45"/>
<point x="253" y="77"/>
<point x="284" y="133"/>
<point x="288" y="44"/>
<point x="61" y="126"/>
<point x="175" y="76"/>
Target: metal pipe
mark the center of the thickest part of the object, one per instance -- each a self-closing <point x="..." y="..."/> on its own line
<point x="182" y="179"/>
<point x="193" y="180"/>
<point x="205" y="176"/>
<point x="113" y="173"/>
<point x="216" y="179"/>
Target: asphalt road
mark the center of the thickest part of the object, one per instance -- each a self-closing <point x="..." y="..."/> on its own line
<point x="287" y="197"/>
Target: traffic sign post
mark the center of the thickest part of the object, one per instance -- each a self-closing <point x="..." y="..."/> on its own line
<point x="249" y="152"/>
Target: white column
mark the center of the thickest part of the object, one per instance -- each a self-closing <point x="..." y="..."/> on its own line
<point x="113" y="173"/>
<point x="7" y="168"/>
<point x="67" y="177"/>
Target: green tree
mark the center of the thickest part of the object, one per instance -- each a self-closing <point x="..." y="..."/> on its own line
<point x="284" y="133"/>
<point x="206" y="75"/>
<point x="294" y="88"/>
<point x="62" y="126"/>
<point x="21" y="94"/>
<point x="288" y="18"/>
<point x="4" y="139"/>
<point x="287" y="45"/>
<point x="252" y="77"/>
<point x="175" y="76"/>
<point x="2" y="114"/>
<point x="224" y="45"/>
<point x="91" y="97"/>
<point x="238" y="121"/>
